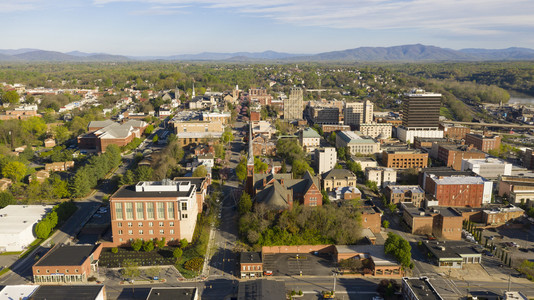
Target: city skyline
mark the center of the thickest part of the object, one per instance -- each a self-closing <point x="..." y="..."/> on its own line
<point x="172" y="27"/>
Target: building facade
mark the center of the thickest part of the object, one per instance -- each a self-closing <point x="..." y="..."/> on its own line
<point x="453" y="155"/>
<point x="294" y="105"/>
<point x="356" y="113"/>
<point x="420" y="116"/>
<point x="382" y="176"/>
<point x="338" y="178"/>
<point x="405" y="159"/>
<point x="459" y="190"/>
<point x="482" y="142"/>
<point x="455" y="132"/>
<point x="154" y="209"/>
<point x="325" y="159"/>
<point x="309" y="139"/>
<point x="489" y="168"/>
<point x="405" y="193"/>
<point x="376" y="130"/>
<point x="355" y="144"/>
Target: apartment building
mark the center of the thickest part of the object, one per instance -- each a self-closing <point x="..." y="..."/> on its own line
<point x="325" y="159"/>
<point x="483" y="142"/>
<point x="154" y="209"/>
<point x="382" y="176"/>
<point x="405" y="159"/>
<point x="376" y="130"/>
<point x="356" y="113"/>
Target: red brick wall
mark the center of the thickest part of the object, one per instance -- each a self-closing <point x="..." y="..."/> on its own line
<point x="449" y="228"/>
<point x="460" y="194"/>
<point x="372" y="221"/>
<point x="297" y="249"/>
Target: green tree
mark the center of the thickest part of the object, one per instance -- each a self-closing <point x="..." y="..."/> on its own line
<point x="200" y="171"/>
<point x="259" y="165"/>
<point x="399" y="248"/>
<point x="241" y="170"/>
<point x="80" y="184"/>
<point x="338" y="166"/>
<point x="161" y="242"/>
<point x="43" y="229"/>
<point x="149" y="129"/>
<point x="341" y="153"/>
<point x="130" y="269"/>
<point x="144" y="173"/>
<point x="227" y="135"/>
<point x="184" y="243"/>
<point x="155" y="138"/>
<point x="300" y="167"/>
<point x="61" y="133"/>
<point x="14" y="170"/>
<point x="177" y="253"/>
<point x="148" y="246"/>
<point x="11" y="97"/>
<point x="6" y="199"/>
<point x="385" y="224"/>
<point x="137" y="244"/>
<point x="245" y="203"/>
<point x="114" y="250"/>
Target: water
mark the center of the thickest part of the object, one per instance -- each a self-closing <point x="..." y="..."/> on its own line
<point x="516" y="97"/>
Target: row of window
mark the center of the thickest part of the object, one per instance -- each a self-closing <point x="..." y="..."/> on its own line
<point x="147" y="210"/>
<point x="57" y="271"/>
<point x="248" y="268"/>
<point x="150" y="231"/>
<point x="140" y="224"/>
<point x="131" y="239"/>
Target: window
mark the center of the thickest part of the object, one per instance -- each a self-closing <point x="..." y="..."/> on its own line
<point x="161" y="210"/>
<point x="161" y="224"/>
<point x="184" y="205"/>
<point x="119" y="224"/>
<point x="118" y="211"/>
<point x="76" y="270"/>
<point x="171" y="224"/>
<point x="161" y="231"/>
<point x="171" y="231"/>
<point x="130" y="224"/>
<point x="184" y="216"/>
<point x="140" y="224"/>
<point x="120" y="231"/>
<point x="141" y="231"/>
<point x="120" y="240"/>
<point x="139" y="211"/>
<point x="129" y="210"/>
<point x="38" y="271"/>
<point x="57" y="270"/>
<point x="47" y="271"/>
<point x="130" y="232"/>
<point x="67" y="271"/>
<point x="151" y="231"/>
<point x="150" y="211"/>
<point x="170" y="210"/>
<point x="150" y="224"/>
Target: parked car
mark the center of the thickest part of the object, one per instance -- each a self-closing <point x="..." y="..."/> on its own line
<point x="487" y="253"/>
<point x="267" y="273"/>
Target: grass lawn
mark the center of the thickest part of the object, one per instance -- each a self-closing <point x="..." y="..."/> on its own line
<point x="4" y="271"/>
<point x="11" y="253"/>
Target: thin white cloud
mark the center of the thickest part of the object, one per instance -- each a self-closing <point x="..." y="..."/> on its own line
<point x="458" y="16"/>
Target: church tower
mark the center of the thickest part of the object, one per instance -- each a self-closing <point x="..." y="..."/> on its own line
<point x="249" y="187"/>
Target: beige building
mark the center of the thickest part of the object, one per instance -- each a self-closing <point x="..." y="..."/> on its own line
<point x="382" y="176"/>
<point x="294" y="105"/>
<point x="356" y="144"/>
<point x="309" y="139"/>
<point x="223" y="117"/>
<point x="336" y="178"/>
<point x="325" y="159"/>
<point x="357" y="113"/>
<point x="376" y="130"/>
<point x="197" y="132"/>
<point x="365" y="162"/>
<point x="405" y="159"/>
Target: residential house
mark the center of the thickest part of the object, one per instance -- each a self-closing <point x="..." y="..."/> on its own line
<point x="338" y="178"/>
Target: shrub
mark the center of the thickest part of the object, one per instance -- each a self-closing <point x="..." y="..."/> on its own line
<point x="148" y="246"/>
<point x="194" y="264"/>
<point x="177" y="253"/>
<point x="137" y="244"/>
<point x="184" y="243"/>
<point x="114" y="250"/>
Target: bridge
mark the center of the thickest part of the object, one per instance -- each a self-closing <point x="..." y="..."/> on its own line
<point x="491" y="124"/>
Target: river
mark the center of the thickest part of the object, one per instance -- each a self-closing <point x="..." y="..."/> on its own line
<point x="516" y="97"/>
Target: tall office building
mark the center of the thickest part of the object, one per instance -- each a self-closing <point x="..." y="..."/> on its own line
<point x="294" y="105"/>
<point x="420" y="116"/>
<point x="356" y="113"/>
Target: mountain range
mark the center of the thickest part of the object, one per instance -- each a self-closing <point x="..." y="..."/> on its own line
<point x="404" y="53"/>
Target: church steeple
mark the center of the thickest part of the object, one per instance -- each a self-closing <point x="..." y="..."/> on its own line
<point x="193" y="93"/>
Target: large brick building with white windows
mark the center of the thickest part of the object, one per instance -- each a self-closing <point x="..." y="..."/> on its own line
<point x="154" y="209"/>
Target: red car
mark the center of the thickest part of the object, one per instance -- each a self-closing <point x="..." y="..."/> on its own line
<point x="267" y="273"/>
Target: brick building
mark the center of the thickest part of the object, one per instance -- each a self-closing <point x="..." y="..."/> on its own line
<point x="483" y="142"/>
<point x="447" y="224"/>
<point x="154" y="209"/>
<point x="452" y="155"/>
<point x="260" y="95"/>
<point x="250" y="265"/>
<point x="372" y="218"/>
<point x="104" y="133"/>
<point x="405" y="193"/>
<point x="501" y="215"/>
<point x="419" y="220"/>
<point x="518" y="189"/>
<point x="66" y="264"/>
<point x="405" y="159"/>
<point x="376" y="130"/>
<point x="455" y="132"/>
<point x="472" y="191"/>
<point x="263" y="146"/>
<point x="328" y="128"/>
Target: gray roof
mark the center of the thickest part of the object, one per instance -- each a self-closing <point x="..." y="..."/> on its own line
<point x="135" y="123"/>
<point x="172" y="293"/>
<point x="451" y="249"/>
<point x="64" y="255"/>
<point x="310" y="133"/>
<point x="338" y="174"/>
<point x="250" y="257"/>
<point x="376" y="252"/>
<point x="422" y="288"/>
<point x="274" y="196"/>
<point x="261" y="289"/>
<point x="101" y="123"/>
<point x="62" y="292"/>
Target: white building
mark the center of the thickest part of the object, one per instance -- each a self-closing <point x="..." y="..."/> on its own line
<point x="309" y="139"/>
<point x="16" y="225"/>
<point x="382" y="176"/>
<point x="489" y="168"/>
<point x="325" y="159"/>
<point x="17" y="292"/>
<point x="356" y="144"/>
<point x="376" y="130"/>
<point x="206" y="160"/>
<point x="365" y="162"/>
<point x="407" y="135"/>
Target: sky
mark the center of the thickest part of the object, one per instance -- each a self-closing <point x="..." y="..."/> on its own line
<point x="170" y="27"/>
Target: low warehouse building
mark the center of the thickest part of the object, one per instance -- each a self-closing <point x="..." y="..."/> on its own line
<point x="16" y="225"/>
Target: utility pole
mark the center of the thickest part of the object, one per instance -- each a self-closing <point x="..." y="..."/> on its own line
<point x="334" y="290"/>
<point x="509" y="282"/>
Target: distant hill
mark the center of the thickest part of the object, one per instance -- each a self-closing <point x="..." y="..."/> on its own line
<point x="404" y="53"/>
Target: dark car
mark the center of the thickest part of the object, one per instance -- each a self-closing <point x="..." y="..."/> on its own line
<point x="487" y="253"/>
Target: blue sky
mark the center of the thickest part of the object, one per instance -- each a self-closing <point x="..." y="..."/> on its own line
<point x="167" y="27"/>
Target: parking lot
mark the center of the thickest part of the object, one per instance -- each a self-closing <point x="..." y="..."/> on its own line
<point x="518" y="241"/>
<point x="306" y="264"/>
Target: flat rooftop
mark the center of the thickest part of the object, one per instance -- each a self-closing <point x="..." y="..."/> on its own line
<point x="14" y="292"/>
<point x="376" y="252"/>
<point x="422" y="288"/>
<point x="61" y="292"/>
<point x="17" y="218"/>
<point x="250" y="257"/>
<point x="128" y="191"/>
<point x="172" y="293"/>
<point x="404" y="188"/>
<point x="454" y="180"/>
<point x="64" y="255"/>
<point x="451" y="249"/>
